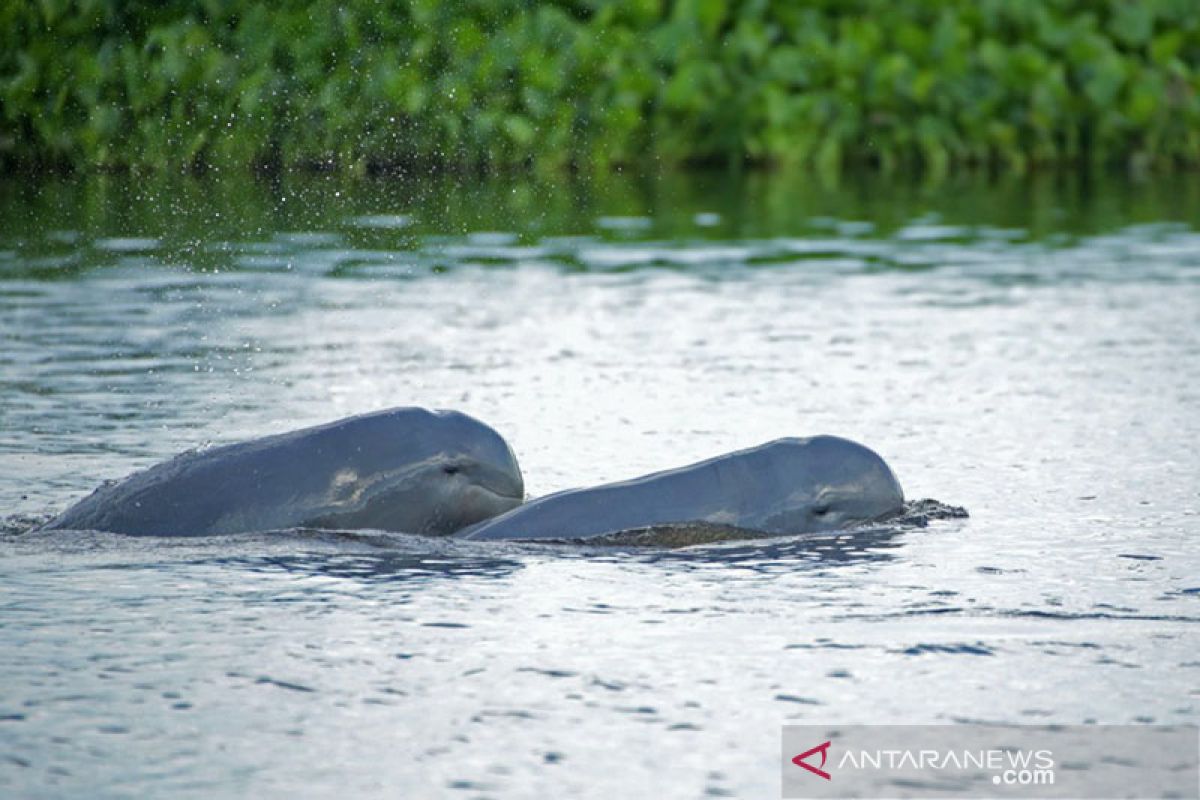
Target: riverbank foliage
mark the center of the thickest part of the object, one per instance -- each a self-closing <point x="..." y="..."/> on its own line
<point x="590" y="84"/>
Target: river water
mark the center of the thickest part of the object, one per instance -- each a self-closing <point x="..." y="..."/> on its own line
<point x="1029" y="350"/>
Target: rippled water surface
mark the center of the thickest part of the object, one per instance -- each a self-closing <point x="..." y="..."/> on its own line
<point x="1028" y="350"/>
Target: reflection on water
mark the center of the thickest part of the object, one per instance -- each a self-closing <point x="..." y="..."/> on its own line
<point x="385" y="566"/>
<point x="1025" y="349"/>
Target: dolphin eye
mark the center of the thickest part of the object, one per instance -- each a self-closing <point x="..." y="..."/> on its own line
<point x="451" y="469"/>
<point x="821" y="510"/>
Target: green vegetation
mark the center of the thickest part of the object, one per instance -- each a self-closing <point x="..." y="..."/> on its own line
<point x="493" y="84"/>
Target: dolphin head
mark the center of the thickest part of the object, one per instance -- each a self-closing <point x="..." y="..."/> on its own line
<point x="476" y="480"/>
<point x="436" y="496"/>
<point x="465" y="489"/>
<point x="827" y="483"/>
<point x="446" y="472"/>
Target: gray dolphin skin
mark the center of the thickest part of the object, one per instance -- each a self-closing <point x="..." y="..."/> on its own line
<point x="405" y="469"/>
<point x="787" y="486"/>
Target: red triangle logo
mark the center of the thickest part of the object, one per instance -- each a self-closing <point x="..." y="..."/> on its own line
<point x="800" y="762"/>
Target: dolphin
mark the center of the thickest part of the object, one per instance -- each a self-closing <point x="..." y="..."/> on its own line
<point x="409" y="470"/>
<point x="786" y="486"/>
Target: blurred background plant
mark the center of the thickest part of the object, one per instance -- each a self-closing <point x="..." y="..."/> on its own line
<point x="368" y="86"/>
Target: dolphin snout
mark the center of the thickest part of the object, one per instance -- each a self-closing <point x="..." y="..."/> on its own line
<point x="501" y="481"/>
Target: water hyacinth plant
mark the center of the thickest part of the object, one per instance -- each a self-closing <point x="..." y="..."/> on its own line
<point x="588" y="84"/>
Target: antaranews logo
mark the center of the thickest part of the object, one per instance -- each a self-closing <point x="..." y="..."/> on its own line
<point x="823" y="749"/>
<point x="995" y="761"/>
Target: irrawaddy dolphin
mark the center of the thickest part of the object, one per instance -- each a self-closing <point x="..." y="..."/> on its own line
<point x="404" y="469"/>
<point x="787" y="486"/>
